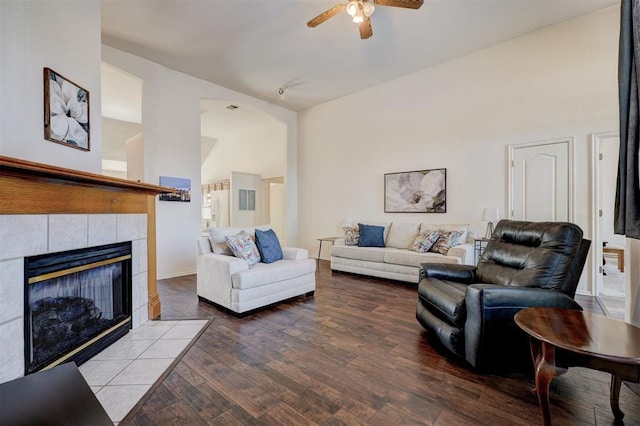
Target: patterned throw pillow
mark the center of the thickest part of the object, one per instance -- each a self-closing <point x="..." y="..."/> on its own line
<point x="351" y="235"/>
<point x="425" y="241"/>
<point x="447" y="240"/>
<point x="243" y="247"/>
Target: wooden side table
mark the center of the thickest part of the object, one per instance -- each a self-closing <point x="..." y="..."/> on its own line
<point x="329" y="239"/>
<point x="479" y="245"/>
<point x="577" y="338"/>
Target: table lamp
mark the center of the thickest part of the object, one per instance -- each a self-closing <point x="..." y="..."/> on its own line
<point x="490" y="214"/>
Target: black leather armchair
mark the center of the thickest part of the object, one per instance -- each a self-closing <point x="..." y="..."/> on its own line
<point x="470" y="309"/>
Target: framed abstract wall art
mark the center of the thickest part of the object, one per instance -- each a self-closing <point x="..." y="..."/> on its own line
<point x="66" y="111"/>
<point x="420" y="191"/>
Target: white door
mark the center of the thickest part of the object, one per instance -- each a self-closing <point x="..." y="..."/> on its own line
<point x="541" y="182"/>
<point x="610" y="280"/>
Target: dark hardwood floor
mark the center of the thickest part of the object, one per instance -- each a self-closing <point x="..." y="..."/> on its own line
<point x="352" y="354"/>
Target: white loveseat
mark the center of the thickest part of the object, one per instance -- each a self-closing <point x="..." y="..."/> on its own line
<point x="228" y="282"/>
<point x="395" y="260"/>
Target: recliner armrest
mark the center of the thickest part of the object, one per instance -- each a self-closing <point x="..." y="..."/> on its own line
<point x="490" y="324"/>
<point x="491" y="296"/>
<point x="448" y="271"/>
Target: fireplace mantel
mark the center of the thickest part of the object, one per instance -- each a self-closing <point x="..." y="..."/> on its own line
<point x="33" y="188"/>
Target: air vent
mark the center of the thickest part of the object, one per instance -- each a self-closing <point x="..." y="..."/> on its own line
<point x="232" y="107"/>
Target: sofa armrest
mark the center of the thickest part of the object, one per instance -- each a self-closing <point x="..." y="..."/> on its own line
<point x="293" y="253"/>
<point x="447" y="271"/>
<point x="204" y="245"/>
<point x="490" y="325"/>
<point x="214" y="276"/>
<point x="465" y="252"/>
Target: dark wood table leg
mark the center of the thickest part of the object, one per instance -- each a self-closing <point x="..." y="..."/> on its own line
<point x="614" y="397"/>
<point x="544" y="358"/>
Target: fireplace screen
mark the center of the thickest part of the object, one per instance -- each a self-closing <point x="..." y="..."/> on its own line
<point x="77" y="303"/>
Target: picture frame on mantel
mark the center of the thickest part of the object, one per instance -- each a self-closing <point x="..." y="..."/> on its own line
<point x="419" y="191"/>
<point x="66" y="111"/>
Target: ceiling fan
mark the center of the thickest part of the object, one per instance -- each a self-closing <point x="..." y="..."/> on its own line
<point x="360" y="12"/>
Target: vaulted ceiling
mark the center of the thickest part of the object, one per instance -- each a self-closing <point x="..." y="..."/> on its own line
<point x="258" y="46"/>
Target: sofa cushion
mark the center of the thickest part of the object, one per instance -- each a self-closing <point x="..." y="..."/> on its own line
<point x="217" y="234"/>
<point x="386" y="225"/>
<point x="446" y="227"/>
<point x="402" y="235"/>
<point x="268" y="273"/>
<point x="372" y="254"/>
<point x="268" y="246"/>
<point x="371" y="235"/>
<point x="242" y="246"/>
<point x="411" y="258"/>
<point x="218" y="243"/>
<point x="424" y="241"/>
<point x="351" y="235"/>
<point x="446" y="240"/>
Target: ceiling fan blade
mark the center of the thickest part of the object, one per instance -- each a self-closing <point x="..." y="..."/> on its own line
<point x="409" y="4"/>
<point x="365" y="28"/>
<point x="326" y="15"/>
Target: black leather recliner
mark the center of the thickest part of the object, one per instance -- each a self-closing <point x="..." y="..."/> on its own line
<point x="470" y="309"/>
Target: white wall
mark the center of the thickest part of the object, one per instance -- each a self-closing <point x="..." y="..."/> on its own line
<point x="245" y="218"/>
<point x="63" y="36"/>
<point x="256" y="149"/>
<point x="171" y="127"/>
<point x="462" y="115"/>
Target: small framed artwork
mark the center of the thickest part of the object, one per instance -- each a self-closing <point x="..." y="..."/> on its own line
<point x="182" y="186"/>
<point x="243" y="196"/>
<point x="420" y="191"/>
<point x="66" y="111"/>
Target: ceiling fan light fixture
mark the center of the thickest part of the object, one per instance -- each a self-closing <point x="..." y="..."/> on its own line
<point x="359" y="17"/>
<point x="352" y="8"/>
<point x="368" y="8"/>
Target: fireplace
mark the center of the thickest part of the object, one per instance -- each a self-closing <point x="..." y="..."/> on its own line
<point x="53" y="209"/>
<point x="77" y="303"/>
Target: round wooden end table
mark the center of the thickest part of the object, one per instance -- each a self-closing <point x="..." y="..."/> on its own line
<point x="562" y="338"/>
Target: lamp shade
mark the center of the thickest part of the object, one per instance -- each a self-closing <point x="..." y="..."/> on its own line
<point x="490" y="214"/>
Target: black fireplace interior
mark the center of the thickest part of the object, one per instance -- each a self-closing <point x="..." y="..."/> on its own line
<point x="76" y="304"/>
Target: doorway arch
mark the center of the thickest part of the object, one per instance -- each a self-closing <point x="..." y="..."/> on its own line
<point x="243" y="148"/>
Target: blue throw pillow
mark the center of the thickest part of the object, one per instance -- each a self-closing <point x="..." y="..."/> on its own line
<point x="268" y="245"/>
<point x="371" y="236"/>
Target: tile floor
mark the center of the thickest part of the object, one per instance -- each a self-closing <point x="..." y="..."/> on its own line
<point x="121" y="374"/>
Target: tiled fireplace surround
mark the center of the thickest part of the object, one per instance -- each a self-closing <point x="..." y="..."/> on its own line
<point x="48" y="209"/>
<point x="29" y="235"/>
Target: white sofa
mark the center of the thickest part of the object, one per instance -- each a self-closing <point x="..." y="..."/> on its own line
<point x="396" y="261"/>
<point x="228" y="282"/>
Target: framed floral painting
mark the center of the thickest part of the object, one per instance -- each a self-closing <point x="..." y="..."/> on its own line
<point x="420" y="191"/>
<point x="66" y="111"/>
